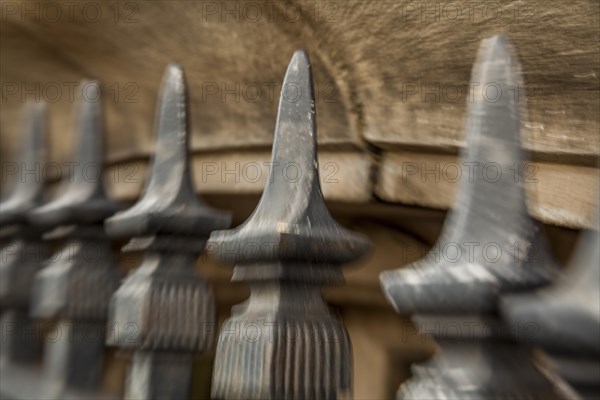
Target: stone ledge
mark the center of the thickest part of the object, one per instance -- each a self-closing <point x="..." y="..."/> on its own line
<point x="558" y="194"/>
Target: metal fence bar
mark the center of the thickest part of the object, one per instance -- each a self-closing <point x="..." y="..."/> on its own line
<point x="454" y="296"/>
<point x="164" y="311"/>
<point x="283" y="342"/>
<point x="76" y="283"/>
<point x="20" y="256"/>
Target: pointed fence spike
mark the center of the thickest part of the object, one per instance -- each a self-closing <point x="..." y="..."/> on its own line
<point x="169" y="203"/>
<point x="462" y="289"/>
<point x="82" y="197"/>
<point x="75" y="284"/>
<point x="171" y="307"/>
<point x="490" y="210"/>
<point x="493" y="147"/>
<point x="291" y="221"/>
<point x="286" y="251"/>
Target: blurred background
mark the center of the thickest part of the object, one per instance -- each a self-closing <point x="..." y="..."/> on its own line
<point x="391" y="81"/>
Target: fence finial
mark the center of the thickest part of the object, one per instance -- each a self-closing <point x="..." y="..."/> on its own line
<point x="170" y="308"/>
<point x="286" y="251"/>
<point x="82" y="197"/>
<point x="169" y="203"/>
<point x="76" y="283"/>
<point x="495" y="248"/>
<point x="21" y="256"/>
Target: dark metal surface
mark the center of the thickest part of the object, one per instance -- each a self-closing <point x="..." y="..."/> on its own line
<point x="283" y="342"/>
<point x="20" y="257"/>
<point x="75" y="284"/>
<point x="566" y="317"/>
<point x="164" y="311"/>
<point x="455" y="295"/>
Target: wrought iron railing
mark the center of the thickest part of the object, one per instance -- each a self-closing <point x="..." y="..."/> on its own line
<point x="479" y="304"/>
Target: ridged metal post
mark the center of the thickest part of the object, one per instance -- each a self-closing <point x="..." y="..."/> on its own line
<point x="566" y="319"/>
<point x="76" y="283"/>
<point x="21" y="256"/>
<point x="489" y="246"/>
<point x="283" y="342"/>
<point x="165" y="312"/>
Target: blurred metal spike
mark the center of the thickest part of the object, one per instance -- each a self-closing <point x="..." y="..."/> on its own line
<point x="75" y="284"/>
<point x="487" y="211"/>
<point x="298" y="248"/>
<point x="82" y="197"/>
<point x="171" y="308"/>
<point x="20" y="257"/>
<point x="492" y="131"/>
<point x="169" y="203"/>
<point x="481" y="361"/>
<point x="566" y="318"/>
<point x="28" y="190"/>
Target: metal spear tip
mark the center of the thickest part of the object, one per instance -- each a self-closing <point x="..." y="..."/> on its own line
<point x="82" y="197"/>
<point x="497" y="94"/>
<point x="493" y="195"/>
<point x="291" y="221"/>
<point x="169" y="203"/>
<point x="565" y="317"/>
<point x="490" y="210"/>
<point x="28" y="187"/>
